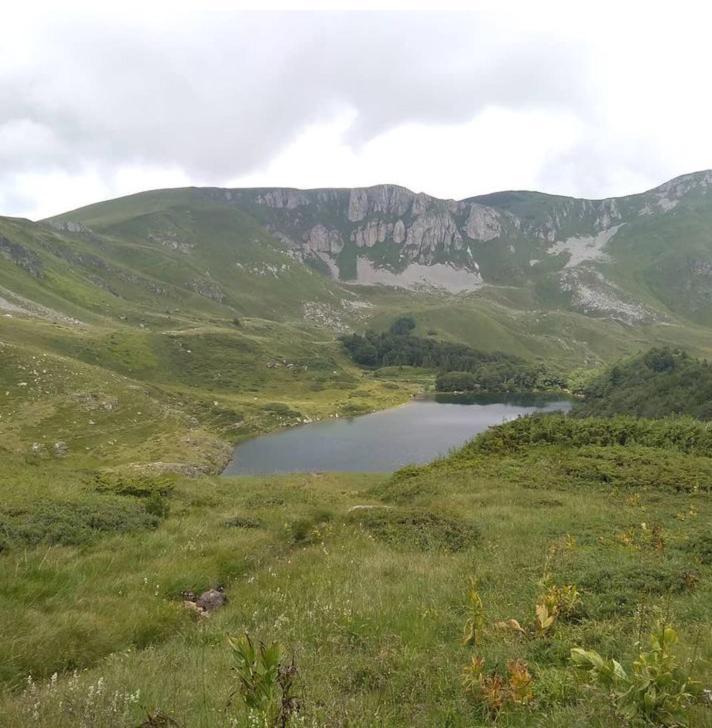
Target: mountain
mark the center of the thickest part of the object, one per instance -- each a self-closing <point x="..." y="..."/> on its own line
<point x="577" y="282"/>
<point x="641" y="258"/>
<point x="141" y="337"/>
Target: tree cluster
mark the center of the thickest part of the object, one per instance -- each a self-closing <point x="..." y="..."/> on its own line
<point x="461" y="368"/>
<point x="659" y="383"/>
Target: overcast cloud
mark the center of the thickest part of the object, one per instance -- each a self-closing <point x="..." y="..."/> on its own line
<point x="98" y="101"/>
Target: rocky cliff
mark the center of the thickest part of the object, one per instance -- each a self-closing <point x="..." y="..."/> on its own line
<point x="389" y="235"/>
<point x="609" y="257"/>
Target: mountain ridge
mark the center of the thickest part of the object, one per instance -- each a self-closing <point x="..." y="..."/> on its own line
<point x="565" y="248"/>
<point x="470" y="198"/>
<point x="338" y="260"/>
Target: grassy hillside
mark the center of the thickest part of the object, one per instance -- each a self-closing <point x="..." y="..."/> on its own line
<point x="658" y="383"/>
<point x="140" y="338"/>
<point x="178" y="325"/>
<point x="371" y="602"/>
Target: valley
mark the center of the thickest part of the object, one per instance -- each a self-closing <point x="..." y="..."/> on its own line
<point x="142" y="338"/>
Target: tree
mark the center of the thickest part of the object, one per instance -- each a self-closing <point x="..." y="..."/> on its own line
<point x="403" y="325"/>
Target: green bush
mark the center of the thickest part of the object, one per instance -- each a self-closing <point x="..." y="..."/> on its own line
<point x="139" y="485"/>
<point x="656" y="690"/>
<point x="307" y="529"/>
<point x="281" y="409"/>
<point x="700" y="546"/>
<point x="683" y="434"/>
<point x="402" y="326"/>
<point x="242" y="522"/>
<point x="417" y="529"/>
<point x="660" y="383"/>
<point x="71" y="523"/>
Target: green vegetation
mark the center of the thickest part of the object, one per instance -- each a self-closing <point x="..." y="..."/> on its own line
<point x="573" y="541"/>
<point x="658" y="691"/>
<point x="461" y="367"/>
<point x="135" y="351"/>
<point x="500" y="376"/>
<point x="389" y="349"/>
<point x="658" y="383"/>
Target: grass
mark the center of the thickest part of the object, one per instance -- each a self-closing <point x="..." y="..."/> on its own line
<point x="371" y="601"/>
<point x="121" y="396"/>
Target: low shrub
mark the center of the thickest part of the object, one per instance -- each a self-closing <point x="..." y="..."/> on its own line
<point x="656" y="690"/>
<point x="242" y="522"/>
<point x="281" y="409"/>
<point x="404" y="486"/>
<point x="139" y="485"/>
<point x="700" y="547"/>
<point x="612" y="592"/>
<point x="70" y="523"/>
<point x="417" y="529"/>
<point x="308" y="529"/>
<point x="682" y="434"/>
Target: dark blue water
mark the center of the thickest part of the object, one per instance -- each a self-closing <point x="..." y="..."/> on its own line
<point x="384" y="441"/>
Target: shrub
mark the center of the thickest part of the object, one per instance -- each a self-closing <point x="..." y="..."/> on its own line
<point x="682" y="434"/>
<point x="456" y="382"/>
<point x="157" y="505"/>
<point x="70" y="523"/>
<point x="281" y="409"/>
<point x="659" y="383"/>
<point x="700" y="546"/>
<point x="417" y="529"/>
<point x="242" y="522"/>
<point x="405" y="486"/>
<point x="402" y="326"/>
<point x="139" y="485"/>
<point x="308" y="529"/>
<point x="656" y="689"/>
<point x="612" y="591"/>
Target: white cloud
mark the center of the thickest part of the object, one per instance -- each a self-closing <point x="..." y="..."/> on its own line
<point x="98" y="100"/>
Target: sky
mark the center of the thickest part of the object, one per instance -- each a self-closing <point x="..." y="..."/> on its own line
<point x="99" y="100"/>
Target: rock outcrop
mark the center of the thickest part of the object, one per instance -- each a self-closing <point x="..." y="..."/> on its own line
<point x="389" y="235"/>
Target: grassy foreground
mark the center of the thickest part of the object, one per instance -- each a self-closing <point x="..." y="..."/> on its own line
<point x="370" y="601"/>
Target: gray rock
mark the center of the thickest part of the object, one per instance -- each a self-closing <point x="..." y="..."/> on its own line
<point x="211" y="600"/>
<point x="483" y="223"/>
<point x="323" y="240"/>
<point x="61" y="449"/>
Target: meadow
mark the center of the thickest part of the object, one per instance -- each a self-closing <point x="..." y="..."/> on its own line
<point x="367" y="582"/>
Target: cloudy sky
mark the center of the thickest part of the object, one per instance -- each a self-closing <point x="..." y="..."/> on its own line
<point x="103" y="99"/>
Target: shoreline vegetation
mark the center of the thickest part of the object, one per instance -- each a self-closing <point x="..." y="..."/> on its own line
<point x="459" y="367"/>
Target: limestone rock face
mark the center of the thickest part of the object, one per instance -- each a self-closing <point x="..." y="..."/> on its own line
<point x="483" y="223"/>
<point x="374" y="231"/>
<point x="431" y="231"/>
<point x="358" y="204"/>
<point x="384" y="200"/>
<point x="399" y="232"/>
<point x="282" y="198"/>
<point x="422" y="229"/>
<point x="323" y="240"/>
<point x="394" y="236"/>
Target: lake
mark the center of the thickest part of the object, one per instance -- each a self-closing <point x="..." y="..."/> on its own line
<point x="416" y="432"/>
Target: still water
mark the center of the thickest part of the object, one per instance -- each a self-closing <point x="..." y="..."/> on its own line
<point x="416" y="432"/>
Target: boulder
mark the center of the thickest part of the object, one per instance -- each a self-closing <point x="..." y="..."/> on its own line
<point x="211" y="600"/>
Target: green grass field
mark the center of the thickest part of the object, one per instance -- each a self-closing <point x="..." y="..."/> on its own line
<point x="371" y="602"/>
